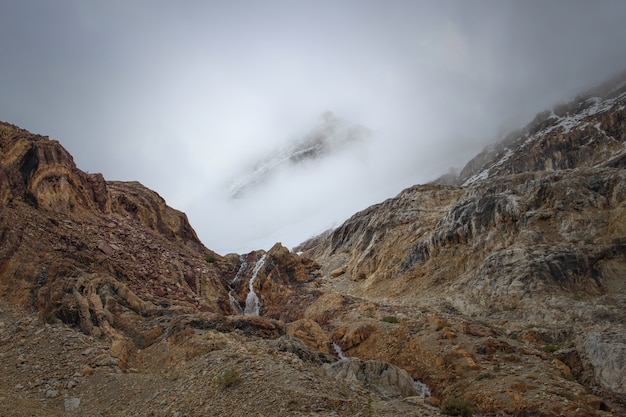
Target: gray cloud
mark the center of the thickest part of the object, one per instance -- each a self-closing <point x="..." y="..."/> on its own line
<point x="180" y="96"/>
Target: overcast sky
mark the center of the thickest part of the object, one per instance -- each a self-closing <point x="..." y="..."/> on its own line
<point x="184" y="95"/>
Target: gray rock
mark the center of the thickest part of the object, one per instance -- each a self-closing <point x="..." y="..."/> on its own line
<point x="607" y="356"/>
<point x="52" y="393"/>
<point x="102" y="360"/>
<point x="384" y="378"/>
<point x="72" y="404"/>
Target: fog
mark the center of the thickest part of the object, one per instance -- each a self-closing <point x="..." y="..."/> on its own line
<point x="186" y="96"/>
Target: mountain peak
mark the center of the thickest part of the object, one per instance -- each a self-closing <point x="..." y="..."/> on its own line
<point x="331" y="135"/>
<point x="585" y="132"/>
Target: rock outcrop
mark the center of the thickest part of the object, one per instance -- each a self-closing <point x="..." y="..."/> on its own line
<point x="330" y="136"/>
<point x="111" y="258"/>
<point x="532" y="235"/>
<point x="278" y="280"/>
<point x="584" y="133"/>
<point x="386" y="379"/>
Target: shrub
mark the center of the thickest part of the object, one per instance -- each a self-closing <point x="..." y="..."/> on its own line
<point x="455" y="407"/>
<point x="390" y="319"/>
<point x="210" y="258"/>
<point x="485" y="375"/>
<point x="369" y="412"/>
<point x="47" y="317"/>
<point x="552" y="347"/>
<point x="228" y="377"/>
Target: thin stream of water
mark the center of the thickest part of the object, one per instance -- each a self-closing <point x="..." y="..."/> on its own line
<point x="253" y="304"/>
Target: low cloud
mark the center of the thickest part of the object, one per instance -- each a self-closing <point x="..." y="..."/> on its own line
<point x="182" y="97"/>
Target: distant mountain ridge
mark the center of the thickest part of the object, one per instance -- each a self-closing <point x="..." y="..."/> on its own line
<point x="586" y="132"/>
<point x="532" y="233"/>
<point x="329" y="136"/>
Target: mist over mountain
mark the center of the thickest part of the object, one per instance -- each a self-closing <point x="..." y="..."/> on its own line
<point x="495" y="290"/>
<point x="193" y="238"/>
<point x="189" y="98"/>
<point x="330" y="136"/>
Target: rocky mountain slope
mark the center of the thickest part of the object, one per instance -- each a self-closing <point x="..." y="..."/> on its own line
<point x="110" y="305"/>
<point x="502" y="294"/>
<point x="531" y="242"/>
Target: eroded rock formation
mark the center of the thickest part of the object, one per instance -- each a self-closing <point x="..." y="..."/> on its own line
<point x="532" y="235"/>
<point x="111" y="258"/>
<point x="503" y="287"/>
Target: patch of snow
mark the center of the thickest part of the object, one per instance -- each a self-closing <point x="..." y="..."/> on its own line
<point x="505" y="157"/>
<point x="478" y="177"/>
<point x="595" y="106"/>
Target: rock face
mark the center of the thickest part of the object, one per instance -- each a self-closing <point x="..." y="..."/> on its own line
<point x="533" y="234"/>
<point x="278" y="277"/>
<point x="386" y="379"/>
<point x="111" y="258"/>
<point x="586" y="132"/>
<point x="606" y="354"/>
<point x="502" y="289"/>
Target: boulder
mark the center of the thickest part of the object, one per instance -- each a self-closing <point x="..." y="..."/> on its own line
<point x="606" y="356"/>
<point x="386" y="379"/>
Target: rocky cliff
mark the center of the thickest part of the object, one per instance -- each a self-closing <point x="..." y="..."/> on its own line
<point x="531" y="242"/>
<point x="102" y="285"/>
<point x="501" y="293"/>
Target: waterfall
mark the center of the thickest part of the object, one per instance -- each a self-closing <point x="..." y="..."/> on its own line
<point x="242" y="269"/>
<point x="234" y="304"/>
<point x="253" y="304"/>
<point x="167" y="331"/>
<point x="339" y="351"/>
<point x="423" y="390"/>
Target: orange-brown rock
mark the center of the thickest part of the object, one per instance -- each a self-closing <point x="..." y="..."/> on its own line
<point x="311" y="333"/>
<point x="278" y="283"/>
<point x="111" y="258"/>
<point x="524" y="244"/>
<point x="502" y="287"/>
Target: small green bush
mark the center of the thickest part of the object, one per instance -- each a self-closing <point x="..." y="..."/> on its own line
<point x="369" y="412"/>
<point x="390" y="319"/>
<point x="228" y="377"/>
<point x="210" y="258"/>
<point x="47" y="317"/>
<point x="552" y="347"/>
<point x="485" y="375"/>
<point x="455" y="407"/>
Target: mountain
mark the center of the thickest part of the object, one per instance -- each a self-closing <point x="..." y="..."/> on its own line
<point x="109" y="303"/>
<point x="586" y="132"/>
<point x="497" y="292"/>
<point x="330" y="136"/>
<point x="531" y="242"/>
